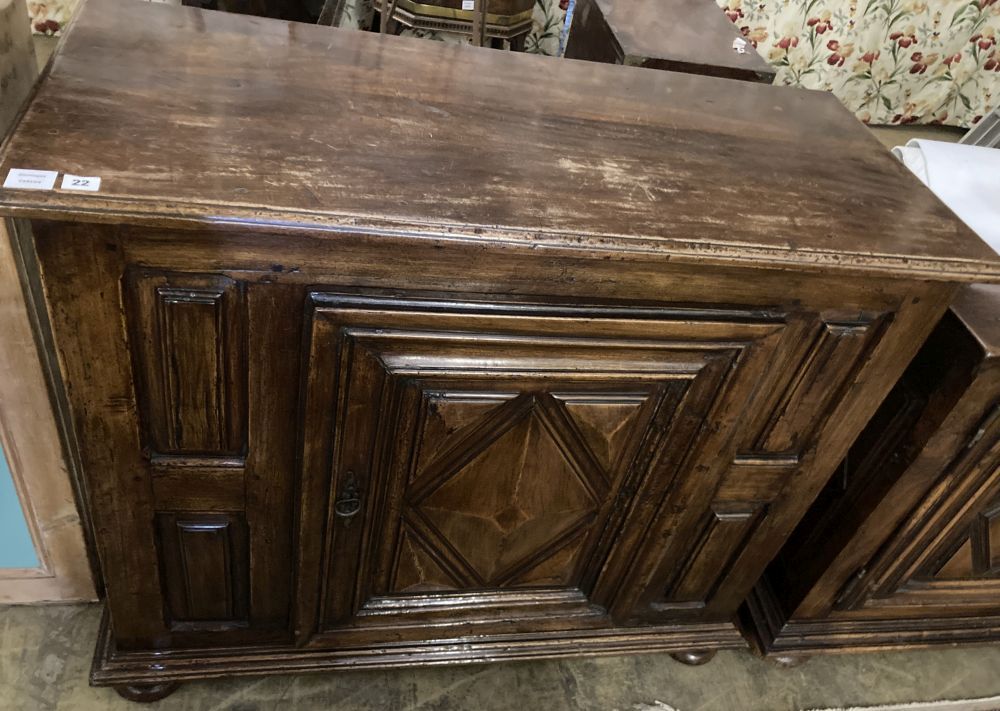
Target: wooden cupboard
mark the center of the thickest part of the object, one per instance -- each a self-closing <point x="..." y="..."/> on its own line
<point x="903" y="545"/>
<point x="691" y="36"/>
<point x="438" y="381"/>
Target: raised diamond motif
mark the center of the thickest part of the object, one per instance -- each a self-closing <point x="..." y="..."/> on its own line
<point x="509" y="504"/>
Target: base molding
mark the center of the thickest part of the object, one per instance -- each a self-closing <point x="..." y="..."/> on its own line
<point x="772" y="634"/>
<point x="112" y="667"/>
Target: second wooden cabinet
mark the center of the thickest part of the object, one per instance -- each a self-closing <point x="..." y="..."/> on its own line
<point x="903" y="545"/>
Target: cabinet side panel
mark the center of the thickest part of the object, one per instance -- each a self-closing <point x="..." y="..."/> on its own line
<point x="82" y="269"/>
<point x="274" y="341"/>
<point x="205" y="566"/>
<point x="842" y="418"/>
<point x="877" y="483"/>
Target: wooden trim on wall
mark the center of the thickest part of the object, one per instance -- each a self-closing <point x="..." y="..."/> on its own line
<point x="30" y="436"/>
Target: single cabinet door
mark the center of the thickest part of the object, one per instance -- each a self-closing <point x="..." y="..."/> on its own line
<point x="479" y="467"/>
<point x="944" y="558"/>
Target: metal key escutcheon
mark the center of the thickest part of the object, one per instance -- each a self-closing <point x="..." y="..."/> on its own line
<point x="349" y="502"/>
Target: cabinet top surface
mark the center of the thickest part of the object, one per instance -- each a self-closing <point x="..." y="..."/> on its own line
<point x="201" y="117"/>
<point x="690" y="31"/>
<point x="978" y="305"/>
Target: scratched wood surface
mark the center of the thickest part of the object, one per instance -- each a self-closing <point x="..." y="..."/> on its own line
<point x="199" y="114"/>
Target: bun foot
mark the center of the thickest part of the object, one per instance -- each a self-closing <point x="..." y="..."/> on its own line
<point x="694" y="657"/>
<point x="788" y="661"/>
<point x="146" y="693"/>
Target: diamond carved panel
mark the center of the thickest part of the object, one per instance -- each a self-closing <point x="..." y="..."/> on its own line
<point x="511" y="455"/>
<point x="507" y="487"/>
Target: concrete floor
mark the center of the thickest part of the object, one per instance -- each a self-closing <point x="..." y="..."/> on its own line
<point x="45" y="654"/>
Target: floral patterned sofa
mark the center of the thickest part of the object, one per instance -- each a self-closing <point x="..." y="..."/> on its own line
<point x="889" y="61"/>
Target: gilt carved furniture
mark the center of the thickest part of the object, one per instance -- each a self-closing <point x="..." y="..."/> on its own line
<point x="297" y="10"/>
<point x="903" y="545"/>
<point x="381" y="391"/>
<point x="691" y="36"/>
<point x="505" y="20"/>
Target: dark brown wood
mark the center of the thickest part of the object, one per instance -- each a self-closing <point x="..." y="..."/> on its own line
<point x="904" y="538"/>
<point x="368" y="397"/>
<point x="479" y="22"/>
<point x="691" y="36"/>
<point x="599" y="137"/>
<point x="296" y="10"/>
<point x="120" y="496"/>
<point x="146" y="693"/>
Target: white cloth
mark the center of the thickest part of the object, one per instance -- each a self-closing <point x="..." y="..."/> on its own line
<point x="966" y="178"/>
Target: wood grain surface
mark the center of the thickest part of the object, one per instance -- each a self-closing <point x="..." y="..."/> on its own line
<point x="209" y="117"/>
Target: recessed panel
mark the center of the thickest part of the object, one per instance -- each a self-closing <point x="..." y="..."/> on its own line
<point x="190" y="362"/>
<point x="204" y="558"/>
<point x="493" y="453"/>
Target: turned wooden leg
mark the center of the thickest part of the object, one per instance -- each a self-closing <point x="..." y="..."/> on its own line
<point x="694" y="657"/>
<point x="787" y="661"/>
<point x="145" y="693"/>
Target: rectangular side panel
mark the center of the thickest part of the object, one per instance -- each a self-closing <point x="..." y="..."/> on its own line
<point x="190" y="356"/>
<point x="989" y="523"/>
<point x="274" y="339"/>
<point x="725" y="531"/>
<point x="741" y="503"/>
<point x="204" y="559"/>
<point x="756" y="478"/>
<point x="193" y="488"/>
<point x="836" y="353"/>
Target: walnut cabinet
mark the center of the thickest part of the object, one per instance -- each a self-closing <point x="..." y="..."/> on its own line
<point x="438" y="382"/>
<point x="903" y="545"/>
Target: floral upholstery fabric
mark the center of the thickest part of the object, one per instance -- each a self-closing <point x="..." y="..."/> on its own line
<point x="48" y="18"/>
<point x="889" y="61"/>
